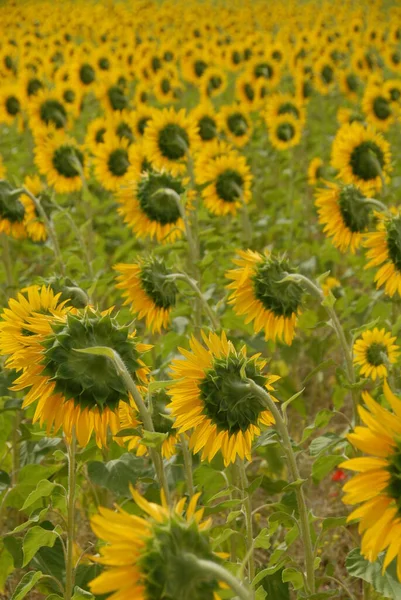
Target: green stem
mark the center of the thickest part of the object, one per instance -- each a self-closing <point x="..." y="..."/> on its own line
<point x="247" y="506"/>
<point x="304" y="527"/>
<point x="346" y="349"/>
<point x="342" y="585"/>
<point x="7" y="262"/>
<point x="146" y="420"/>
<point x="50" y="229"/>
<point x="69" y="567"/>
<point x="187" y="465"/>
<point x="208" y="311"/>
<point x="16" y="447"/>
<point x="376" y="203"/>
<point x="218" y="572"/>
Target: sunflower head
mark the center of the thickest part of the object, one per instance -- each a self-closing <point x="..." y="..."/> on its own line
<point x="90" y="381"/>
<point x="283" y="298"/>
<point x="69" y="291"/>
<point x="374" y="351"/>
<point x="155" y="197"/>
<point x="159" y="552"/>
<point x="11" y="208"/>
<point x="211" y="396"/>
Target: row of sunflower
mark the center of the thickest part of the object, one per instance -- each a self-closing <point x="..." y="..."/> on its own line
<point x="183" y="138"/>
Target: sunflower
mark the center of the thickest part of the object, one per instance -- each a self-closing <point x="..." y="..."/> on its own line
<point x="384" y="248"/>
<point x="143" y="552"/>
<point x="10" y="103"/>
<point x="207" y="398"/>
<point x="362" y="157"/>
<point x="47" y="108"/>
<point x="195" y="64"/>
<point x="147" y="291"/>
<point x="74" y="390"/>
<point x="377" y="107"/>
<point x="266" y="68"/>
<point x="346" y="115"/>
<point x="260" y="295"/>
<point x="61" y="160"/>
<point x="84" y="72"/>
<point x="374" y="351"/>
<point x="315" y="171"/>
<point x="284" y="104"/>
<point x="250" y="92"/>
<point x="333" y="285"/>
<point x="168" y="138"/>
<point x="285" y="132"/>
<point x="96" y="131"/>
<point x="30" y="83"/>
<point x="324" y="70"/>
<point x="111" y="94"/>
<point x="166" y="85"/>
<point x="35" y="227"/>
<point x="344" y="214"/>
<point x="228" y="180"/>
<point x="122" y="124"/>
<point x="111" y="162"/>
<point x="350" y="84"/>
<point x="392" y="56"/>
<point x="236" y="124"/>
<point x="149" y="207"/>
<point x="213" y="82"/>
<point x="205" y="117"/>
<point x="392" y="90"/>
<point x="16" y="209"/>
<point x="376" y="487"/>
<point x="141" y="117"/>
<point x="19" y="322"/>
<point x="162" y="423"/>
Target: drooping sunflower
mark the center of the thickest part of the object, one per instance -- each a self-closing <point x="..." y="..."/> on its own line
<point x="229" y="183"/>
<point x="376" y="487"/>
<point x="260" y="295"/>
<point x="315" y="171"/>
<point x="377" y="107"/>
<point x="236" y="124"/>
<point x="168" y="138"/>
<point x="19" y="321"/>
<point x="10" y="103"/>
<point x="374" y="351"/>
<point x="162" y="423"/>
<point x="149" y="205"/>
<point x="143" y="552"/>
<point x="95" y="132"/>
<point x="122" y="124"/>
<point x="76" y="391"/>
<point x="206" y="120"/>
<point x="111" y="162"/>
<point x="285" y="132"/>
<point x="209" y="399"/>
<point x="60" y="159"/>
<point x="16" y="209"/>
<point x="47" y="108"/>
<point x="284" y="104"/>
<point x="147" y="291"/>
<point x="35" y="227"/>
<point x="362" y="157"/>
<point x="344" y="214"/>
<point x="384" y="250"/>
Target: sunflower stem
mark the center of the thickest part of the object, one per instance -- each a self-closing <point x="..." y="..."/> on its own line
<point x="376" y="203"/>
<point x="221" y="574"/>
<point x="335" y="322"/>
<point x="304" y="526"/>
<point x="146" y="420"/>
<point x="69" y="567"/>
<point x="50" y="228"/>
<point x="187" y="465"/>
<point x="247" y="507"/>
<point x="208" y="311"/>
<point x="7" y="263"/>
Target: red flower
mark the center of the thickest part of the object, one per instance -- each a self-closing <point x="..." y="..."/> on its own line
<point x="338" y="475"/>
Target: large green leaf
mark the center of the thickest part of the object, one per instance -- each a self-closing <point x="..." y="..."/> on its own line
<point x="386" y="584"/>
<point x="36" y="538"/>
<point x="26" y="584"/>
<point x="116" y="475"/>
<point x="43" y="489"/>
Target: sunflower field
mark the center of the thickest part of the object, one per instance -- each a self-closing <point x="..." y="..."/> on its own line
<point x="200" y="319"/>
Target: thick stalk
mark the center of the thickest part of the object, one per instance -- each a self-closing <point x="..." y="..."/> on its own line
<point x="221" y="574"/>
<point x="187" y="465"/>
<point x="304" y="527"/>
<point x="346" y="349"/>
<point x="208" y="311"/>
<point x="247" y="506"/>
<point x="50" y="229"/>
<point x="146" y="420"/>
<point x="69" y="567"/>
